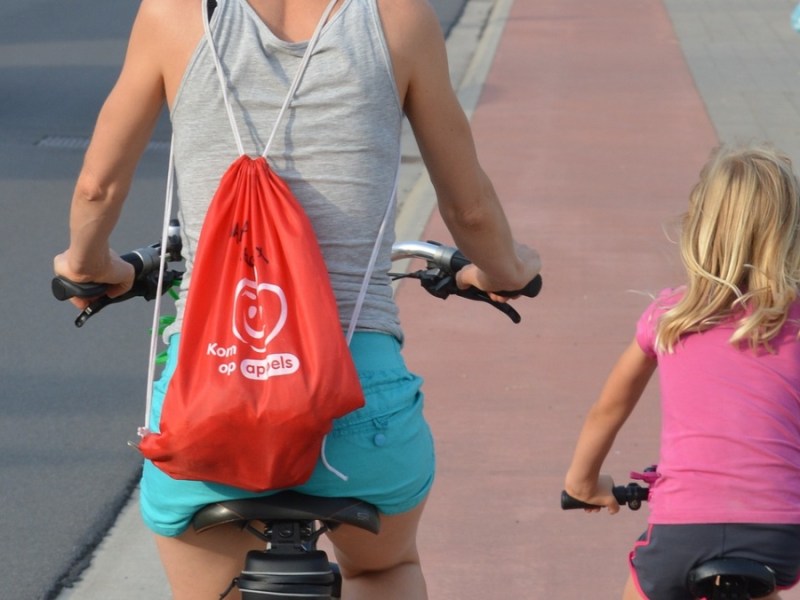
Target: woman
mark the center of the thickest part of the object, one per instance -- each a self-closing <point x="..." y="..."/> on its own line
<point x="376" y="61"/>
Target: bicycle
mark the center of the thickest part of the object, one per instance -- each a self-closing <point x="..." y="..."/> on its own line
<point x="727" y="578"/>
<point x="291" y="565"/>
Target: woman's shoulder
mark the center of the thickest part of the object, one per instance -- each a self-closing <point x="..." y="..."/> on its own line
<point x="167" y="33"/>
<point x="170" y="10"/>
<point x="409" y="25"/>
<point x="408" y="8"/>
<point x="172" y="20"/>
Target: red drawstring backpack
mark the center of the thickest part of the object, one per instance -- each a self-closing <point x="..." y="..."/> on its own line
<point x="263" y="365"/>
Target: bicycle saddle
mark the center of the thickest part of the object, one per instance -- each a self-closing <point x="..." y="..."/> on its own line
<point x="289" y="506"/>
<point x="758" y="579"/>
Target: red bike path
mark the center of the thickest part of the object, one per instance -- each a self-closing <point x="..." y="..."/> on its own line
<point x="593" y="133"/>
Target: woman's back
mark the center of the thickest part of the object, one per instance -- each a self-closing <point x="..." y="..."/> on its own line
<point x="332" y="147"/>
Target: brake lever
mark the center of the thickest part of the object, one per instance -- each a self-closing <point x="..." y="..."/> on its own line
<point x="473" y="293"/>
<point x="145" y="287"/>
<point x="103" y="301"/>
<point x="443" y="285"/>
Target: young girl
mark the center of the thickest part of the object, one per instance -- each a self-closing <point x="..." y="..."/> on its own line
<point x="726" y="345"/>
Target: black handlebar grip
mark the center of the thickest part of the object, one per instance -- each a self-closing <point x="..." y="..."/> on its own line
<point x="459" y="261"/>
<point x="144" y="260"/>
<point x="570" y="503"/>
<point x="619" y="491"/>
<point x="64" y="289"/>
<point x="531" y="290"/>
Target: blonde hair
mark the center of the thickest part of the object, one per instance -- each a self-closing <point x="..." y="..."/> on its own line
<point x="740" y="246"/>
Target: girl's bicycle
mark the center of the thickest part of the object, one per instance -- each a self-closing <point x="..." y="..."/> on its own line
<point x="724" y="578"/>
<point x="289" y="523"/>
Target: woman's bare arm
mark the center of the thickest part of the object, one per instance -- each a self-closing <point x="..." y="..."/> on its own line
<point x="466" y="198"/>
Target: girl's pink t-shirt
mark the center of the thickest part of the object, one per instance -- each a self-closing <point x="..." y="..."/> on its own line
<point x="730" y="430"/>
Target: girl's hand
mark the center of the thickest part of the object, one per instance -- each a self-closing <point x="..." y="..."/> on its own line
<point x="600" y="494"/>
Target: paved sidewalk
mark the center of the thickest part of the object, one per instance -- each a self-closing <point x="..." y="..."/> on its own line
<point x="745" y="60"/>
<point x="593" y="121"/>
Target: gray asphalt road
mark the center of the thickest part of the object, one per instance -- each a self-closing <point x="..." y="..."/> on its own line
<point x="70" y="397"/>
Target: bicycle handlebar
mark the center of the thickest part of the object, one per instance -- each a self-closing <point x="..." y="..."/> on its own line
<point x="631" y="495"/>
<point x="451" y="260"/>
<point x="144" y="260"/>
<point x="438" y="279"/>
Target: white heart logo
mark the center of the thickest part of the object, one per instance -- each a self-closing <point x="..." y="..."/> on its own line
<point x="254" y="309"/>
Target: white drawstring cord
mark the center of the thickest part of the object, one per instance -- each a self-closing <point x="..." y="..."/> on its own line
<point x="223" y="84"/>
<point x="151" y="363"/>
<point x="328" y="465"/>
<point x="361" y="295"/>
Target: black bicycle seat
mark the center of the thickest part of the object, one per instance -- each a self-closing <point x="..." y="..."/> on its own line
<point x="289" y="506"/>
<point x="758" y="579"/>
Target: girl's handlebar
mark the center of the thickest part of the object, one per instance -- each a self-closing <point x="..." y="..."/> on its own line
<point x="631" y="495"/>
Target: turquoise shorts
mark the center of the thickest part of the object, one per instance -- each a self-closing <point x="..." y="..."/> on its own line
<point x="384" y="449"/>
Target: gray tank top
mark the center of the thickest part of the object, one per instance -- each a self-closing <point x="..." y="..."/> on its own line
<point x="338" y="146"/>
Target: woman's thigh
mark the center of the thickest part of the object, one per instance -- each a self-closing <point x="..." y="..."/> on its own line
<point x="359" y="551"/>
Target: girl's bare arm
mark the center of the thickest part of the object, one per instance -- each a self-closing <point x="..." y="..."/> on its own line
<point x="619" y="396"/>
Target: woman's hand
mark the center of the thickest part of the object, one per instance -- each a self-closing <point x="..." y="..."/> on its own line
<point x="529" y="265"/>
<point x="117" y="274"/>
